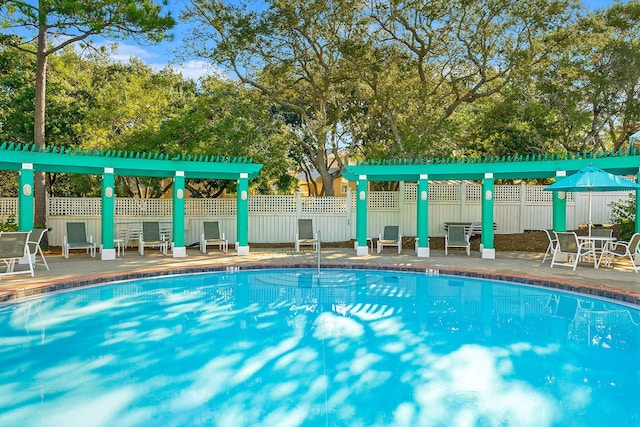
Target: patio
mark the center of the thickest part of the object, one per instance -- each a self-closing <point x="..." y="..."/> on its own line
<point x="620" y="283"/>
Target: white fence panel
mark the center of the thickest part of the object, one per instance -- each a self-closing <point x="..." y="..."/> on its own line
<point x="272" y="228"/>
<point x="600" y="209"/>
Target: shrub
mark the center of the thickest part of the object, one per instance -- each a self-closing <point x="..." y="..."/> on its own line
<point x="9" y="224"/>
<point x="623" y="214"/>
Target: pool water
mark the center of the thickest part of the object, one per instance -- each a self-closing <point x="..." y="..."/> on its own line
<point x="345" y="348"/>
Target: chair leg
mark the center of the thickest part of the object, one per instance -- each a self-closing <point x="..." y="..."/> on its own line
<point x="42" y="256"/>
<point x="548" y="252"/>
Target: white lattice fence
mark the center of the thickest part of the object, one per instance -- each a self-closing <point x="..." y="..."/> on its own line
<point x="212" y="207"/>
<point x="8" y="206"/>
<point x="273" y="204"/>
<point x="143" y="207"/>
<point x="323" y="205"/>
<point x="71" y="206"/>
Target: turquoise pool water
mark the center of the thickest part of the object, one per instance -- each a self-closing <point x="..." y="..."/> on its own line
<point x="291" y="348"/>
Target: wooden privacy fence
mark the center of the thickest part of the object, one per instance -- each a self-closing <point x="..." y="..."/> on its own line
<point x="273" y="219"/>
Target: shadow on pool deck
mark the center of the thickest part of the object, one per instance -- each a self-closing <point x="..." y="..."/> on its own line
<point x="621" y="282"/>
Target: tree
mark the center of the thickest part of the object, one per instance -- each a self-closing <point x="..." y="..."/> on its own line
<point x="56" y="24"/>
<point x="607" y="58"/>
<point x="227" y="120"/>
<point x="293" y="52"/>
<point x="455" y="53"/>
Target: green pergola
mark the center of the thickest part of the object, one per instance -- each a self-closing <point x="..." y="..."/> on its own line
<point x="27" y="160"/>
<point x="486" y="170"/>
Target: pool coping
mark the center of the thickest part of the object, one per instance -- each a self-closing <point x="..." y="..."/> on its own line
<point x="56" y="285"/>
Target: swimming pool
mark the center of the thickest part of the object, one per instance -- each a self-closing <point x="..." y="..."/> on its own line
<point x="289" y="348"/>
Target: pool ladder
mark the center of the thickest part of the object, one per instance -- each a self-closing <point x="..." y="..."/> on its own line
<point x="318" y="251"/>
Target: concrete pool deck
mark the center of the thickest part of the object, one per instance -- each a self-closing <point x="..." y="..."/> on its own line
<point x="620" y="283"/>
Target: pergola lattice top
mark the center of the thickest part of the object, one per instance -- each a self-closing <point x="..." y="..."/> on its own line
<point x="126" y="163"/>
<point x="621" y="162"/>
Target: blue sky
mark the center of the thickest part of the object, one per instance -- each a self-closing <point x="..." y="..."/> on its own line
<point x="158" y="56"/>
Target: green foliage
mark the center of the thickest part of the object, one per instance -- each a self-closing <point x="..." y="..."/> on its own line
<point x="623" y="214"/>
<point x="9" y="183"/>
<point x="10" y="224"/>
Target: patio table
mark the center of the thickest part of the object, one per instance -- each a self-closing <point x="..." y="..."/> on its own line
<point x="592" y="240"/>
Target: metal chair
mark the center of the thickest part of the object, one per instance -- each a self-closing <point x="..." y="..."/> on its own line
<point x="14" y="246"/>
<point x="613" y="250"/>
<point x="76" y="238"/>
<point x="34" y="246"/>
<point x="570" y="246"/>
<point x="457" y="237"/>
<point x="552" y="243"/>
<point x="151" y="237"/>
<point x="305" y="235"/>
<point x="212" y="236"/>
<point x="390" y="236"/>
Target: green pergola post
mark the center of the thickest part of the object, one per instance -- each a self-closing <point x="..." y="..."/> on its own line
<point x="25" y="198"/>
<point x="108" y="215"/>
<point x="559" y="205"/>
<point x="637" y="205"/>
<point x="179" y="250"/>
<point x="423" y="216"/>
<point x="242" y="221"/>
<point x="486" y="237"/>
<point x="362" y="249"/>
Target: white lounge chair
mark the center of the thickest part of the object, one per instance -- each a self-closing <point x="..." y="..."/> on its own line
<point x="570" y="250"/>
<point x="305" y="235"/>
<point x="613" y="250"/>
<point x="34" y="246"/>
<point x="390" y="236"/>
<point x="552" y="243"/>
<point x="212" y="236"/>
<point x="458" y="236"/>
<point x="14" y="246"/>
<point x="151" y="237"/>
<point x="76" y="238"/>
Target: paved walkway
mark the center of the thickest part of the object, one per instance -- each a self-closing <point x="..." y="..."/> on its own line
<point x="620" y="282"/>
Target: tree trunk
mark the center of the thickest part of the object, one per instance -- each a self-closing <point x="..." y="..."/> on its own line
<point x="40" y="189"/>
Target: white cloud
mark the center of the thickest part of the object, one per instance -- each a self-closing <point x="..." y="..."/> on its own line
<point x="195" y="68"/>
<point x="192" y="69"/>
<point x="124" y="52"/>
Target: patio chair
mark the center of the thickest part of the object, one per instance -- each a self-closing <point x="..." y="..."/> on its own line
<point x="34" y="246"/>
<point x="14" y="246"/>
<point x="390" y="236"/>
<point x="212" y="236"/>
<point x="76" y="238"/>
<point x="457" y="237"/>
<point x="151" y="237"/>
<point x="305" y="235"/>
<point x="613" y="250"/>
<point x="552" y="243"/>
<point x="571" y="250"/>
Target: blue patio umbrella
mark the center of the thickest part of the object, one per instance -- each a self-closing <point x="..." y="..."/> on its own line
<point x="592" y="179"/>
